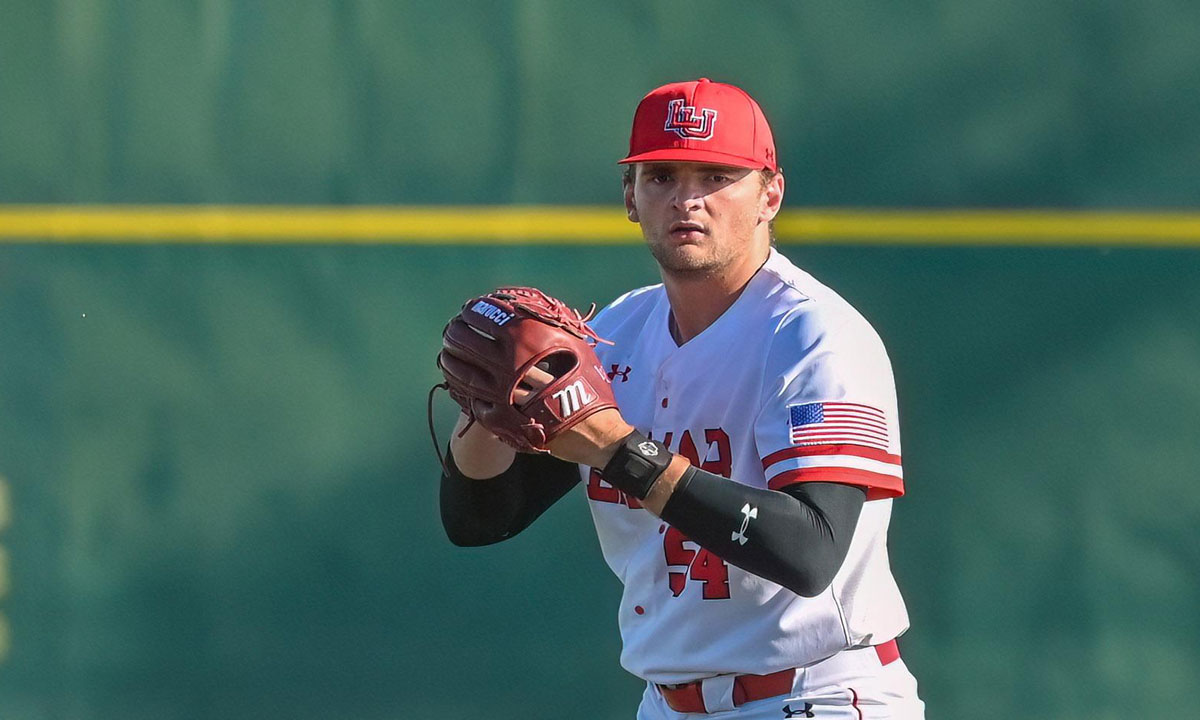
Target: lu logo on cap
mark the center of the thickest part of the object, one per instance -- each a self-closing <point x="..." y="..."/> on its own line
<point x="683" y="120"/>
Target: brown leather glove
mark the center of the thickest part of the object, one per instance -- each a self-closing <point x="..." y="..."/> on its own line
<point x="494" y="341"/>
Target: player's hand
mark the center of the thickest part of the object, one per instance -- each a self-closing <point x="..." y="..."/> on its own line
<point x="591" y="442"/>
<point x="478" y="453"/>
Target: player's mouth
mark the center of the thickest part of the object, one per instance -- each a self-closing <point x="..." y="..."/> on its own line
<point x="686" y="230"/>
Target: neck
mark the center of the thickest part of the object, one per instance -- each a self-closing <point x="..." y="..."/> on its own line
<point x="698" y="299"/>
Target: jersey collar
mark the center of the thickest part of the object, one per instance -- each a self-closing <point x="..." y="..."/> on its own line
<point x="729" y="321"/>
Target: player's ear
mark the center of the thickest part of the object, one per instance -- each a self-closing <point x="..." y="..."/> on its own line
<point x="630" y="207"/>
<point x="772" y="198"/>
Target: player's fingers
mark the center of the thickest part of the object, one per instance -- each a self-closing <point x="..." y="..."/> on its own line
<point x="537" y="377"/>
<point x="534" y="380"/>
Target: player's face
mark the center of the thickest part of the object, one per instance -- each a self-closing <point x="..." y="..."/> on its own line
<point x="700" y="218"/>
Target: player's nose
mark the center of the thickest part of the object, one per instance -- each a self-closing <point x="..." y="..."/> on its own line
<point x="688" y="196"/>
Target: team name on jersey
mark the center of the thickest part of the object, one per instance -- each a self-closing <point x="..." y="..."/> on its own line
<point x="687" y="564"/>
<point x="491" y="312"/>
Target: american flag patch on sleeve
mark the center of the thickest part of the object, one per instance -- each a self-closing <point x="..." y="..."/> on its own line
<point x="838" y="423"/>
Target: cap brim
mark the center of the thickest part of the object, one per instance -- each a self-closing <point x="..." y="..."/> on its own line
<point x="695" y="155"/>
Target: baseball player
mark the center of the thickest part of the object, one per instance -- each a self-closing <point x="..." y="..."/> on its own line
<point x="737" y="438"/>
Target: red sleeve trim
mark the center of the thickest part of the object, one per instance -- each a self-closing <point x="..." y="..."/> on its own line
<point x="878" y="485"/>
<point x="861" y="451"/>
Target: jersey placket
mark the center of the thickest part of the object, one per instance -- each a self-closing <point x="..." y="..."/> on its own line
<point x="684" y="367"/>
<point x="658" y="354"/>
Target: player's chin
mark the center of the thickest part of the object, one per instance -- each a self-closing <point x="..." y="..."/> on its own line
<point x="682" y="257"/>
<point x="685" y="262"/>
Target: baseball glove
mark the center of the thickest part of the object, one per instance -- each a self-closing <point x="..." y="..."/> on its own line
<point x="490" y="345"/>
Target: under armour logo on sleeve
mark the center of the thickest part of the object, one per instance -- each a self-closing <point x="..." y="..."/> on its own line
<point x="740" y="535"/>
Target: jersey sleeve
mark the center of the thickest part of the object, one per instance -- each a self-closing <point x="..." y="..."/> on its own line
<point x="828" y="409"/>
<point x="627" y="308"/>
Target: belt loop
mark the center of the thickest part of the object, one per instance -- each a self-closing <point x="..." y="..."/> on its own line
<point x="726" y="692"/>
<point x="888" y="652"/>
<point x="717" y="693"/>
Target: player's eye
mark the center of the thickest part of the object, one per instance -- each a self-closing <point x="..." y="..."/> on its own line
<point x="660" y="178"/>
<point x="722" y="179"/>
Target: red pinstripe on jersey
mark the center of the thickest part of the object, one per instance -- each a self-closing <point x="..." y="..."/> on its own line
<point x="880" y="483"/>
<point x="807" y="450"/>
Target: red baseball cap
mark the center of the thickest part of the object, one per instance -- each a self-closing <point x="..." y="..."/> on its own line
<point x="701" y="121"/>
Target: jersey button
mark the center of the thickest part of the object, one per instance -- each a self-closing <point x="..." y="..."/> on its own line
<point x="664" y="402"/>
<point x="639" y="609"/>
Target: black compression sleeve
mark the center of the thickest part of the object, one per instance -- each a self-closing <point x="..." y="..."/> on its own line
<point x="482" y="512"/>
<point x="797" y="537"/>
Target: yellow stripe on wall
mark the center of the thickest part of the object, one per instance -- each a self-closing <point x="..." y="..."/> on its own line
<point x="299" y="224"/>
<point x="423" y="225"/>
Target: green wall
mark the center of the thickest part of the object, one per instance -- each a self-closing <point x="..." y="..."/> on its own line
<point x="929" y="102"/>
<point x="223" y="496"/>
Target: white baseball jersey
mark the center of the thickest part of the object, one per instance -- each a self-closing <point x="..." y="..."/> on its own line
<point x="790" y="384"/>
